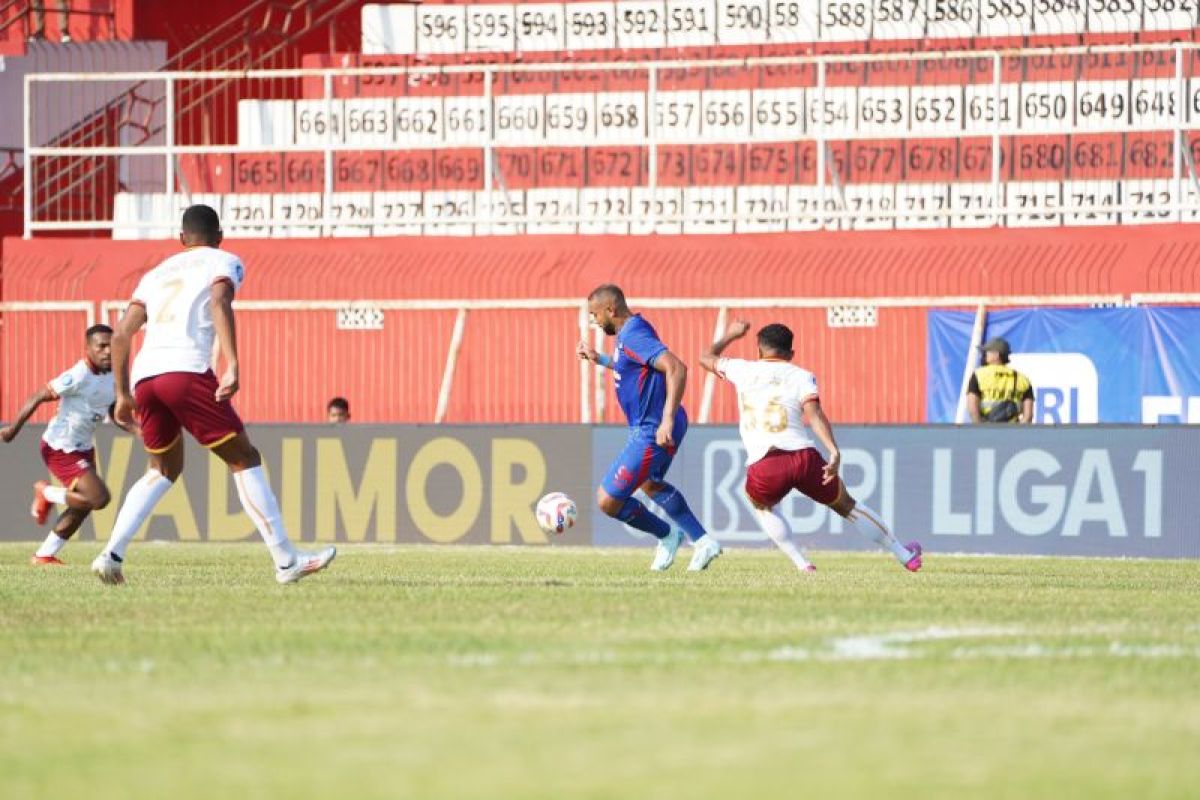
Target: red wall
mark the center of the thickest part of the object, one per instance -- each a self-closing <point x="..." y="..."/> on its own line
<point x="518" y="366"/>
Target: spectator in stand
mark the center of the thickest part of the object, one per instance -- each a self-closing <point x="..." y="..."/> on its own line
<point x="997" y="392"/>
<point x="38" y="12"/>
<point x="338" y="410"/>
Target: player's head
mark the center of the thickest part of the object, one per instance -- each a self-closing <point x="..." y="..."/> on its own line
<point x="338" y="410"/>
<point x="775" y="341"/>
<point x="996" y="351"/>
<point x="606" y="304"/>
<point x="200" y="226"/>
<point x="98" y="346"/>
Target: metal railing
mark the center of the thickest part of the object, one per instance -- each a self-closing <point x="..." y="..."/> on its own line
<point x="592" y="383"/>
<point x="363" y="343"/>
<point x="1013" y="128"/>
<point x="66" y="9"/>
<point x="259" y="36"/>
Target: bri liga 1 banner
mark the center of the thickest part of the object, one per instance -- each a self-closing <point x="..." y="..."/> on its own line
<point x="1121" y="365"/>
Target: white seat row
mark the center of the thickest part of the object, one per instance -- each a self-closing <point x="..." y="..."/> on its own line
<point x="723" y="115"/>
<point x="696" y="209"/>
<point x="428" y="28"/>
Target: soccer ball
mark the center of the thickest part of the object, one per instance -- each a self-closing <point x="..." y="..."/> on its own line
<point x="556" y="512"/>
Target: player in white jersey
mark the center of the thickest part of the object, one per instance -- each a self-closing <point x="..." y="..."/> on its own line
<point x="185" y="302"/>
<point x="84" y="394"/>
<point x="775" y="398"/>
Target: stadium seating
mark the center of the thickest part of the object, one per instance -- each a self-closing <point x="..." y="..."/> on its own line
<point x="899" y="143"/>
<point x="431" y="28"/>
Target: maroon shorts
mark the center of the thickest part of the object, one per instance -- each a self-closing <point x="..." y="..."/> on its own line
<point x="173" y="401"/>
<point x="67" y="467"/>
<point x="769" y="479"/>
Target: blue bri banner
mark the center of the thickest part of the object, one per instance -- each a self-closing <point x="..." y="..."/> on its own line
<point x="1084" y="490"/>
<point x="1129" y="365"/>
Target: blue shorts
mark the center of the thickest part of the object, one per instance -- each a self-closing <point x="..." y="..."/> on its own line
<point x="641" y="460"/>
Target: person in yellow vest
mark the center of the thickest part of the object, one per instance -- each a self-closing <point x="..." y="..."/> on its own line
<point x="997" y="392"/>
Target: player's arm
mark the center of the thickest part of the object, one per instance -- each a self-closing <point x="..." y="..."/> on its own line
<point x="588" y="353"/>
<point x="675" y="371"/>
<point x="222" y="317"/>
<point x="112" y="415"/>
<point x="130" y="323"/>
<point x="973" y="407"/>
<point x="43" y="395"/>
<point x="824" y="432"/>
<point x="710" y="357"/>
<point x="1026" y="417"/>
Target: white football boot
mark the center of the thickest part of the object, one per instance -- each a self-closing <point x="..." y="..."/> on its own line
<point x="704" y="550"/>
<point x="664" y="553"/>
<point x="305" y="564"/>
<point x="108" y="569"/>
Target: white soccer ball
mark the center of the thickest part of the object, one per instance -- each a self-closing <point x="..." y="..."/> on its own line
<point x="556" y="512"/>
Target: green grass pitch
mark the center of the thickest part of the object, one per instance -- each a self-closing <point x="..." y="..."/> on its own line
<point x="550" y="673"/>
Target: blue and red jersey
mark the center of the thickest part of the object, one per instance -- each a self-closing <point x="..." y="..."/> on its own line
<point x="641" y="389"/>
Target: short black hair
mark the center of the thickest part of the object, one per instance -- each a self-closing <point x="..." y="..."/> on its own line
<point x="338" y="402"/>
<point x="92" y="331"/>
<point x="609" y="291"/>
<point x="201" y="220"/>
<point x="776" y="337"/>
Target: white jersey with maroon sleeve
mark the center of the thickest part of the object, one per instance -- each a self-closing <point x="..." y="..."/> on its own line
<point x="177" y="296"/>
<point x="771" y="395"/>
<point x="84" y="398"/>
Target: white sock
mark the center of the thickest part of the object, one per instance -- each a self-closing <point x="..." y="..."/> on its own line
<point x="259" y="502"/>
<point x="143" y="496"/>
<point x="870" y="525"/>
<point x="53" y="544"/>
<point x="55" y="494"/>
<point x="777" y="528"/>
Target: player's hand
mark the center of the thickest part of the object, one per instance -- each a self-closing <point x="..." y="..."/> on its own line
<point x="665" y="435"/>
<point x="228" y="386"/>
<point x="586" y="352"/>
<point x="8" y="433"/>
<point x="830" y="471"/>
<point x="122" y="412"/>
<point x="738" y="329"/>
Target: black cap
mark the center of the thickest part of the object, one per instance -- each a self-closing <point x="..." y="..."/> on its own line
<point x="997" y="345"/>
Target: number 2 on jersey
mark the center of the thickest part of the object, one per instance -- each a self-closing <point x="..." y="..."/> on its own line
<point x="171" y="290"/>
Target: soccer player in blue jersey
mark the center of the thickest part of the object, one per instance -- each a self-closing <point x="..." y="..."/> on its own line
<point x="649" y="383"/>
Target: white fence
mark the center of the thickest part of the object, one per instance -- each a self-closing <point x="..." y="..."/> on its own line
<point x="1053" y="136"/>
<point x="264" y="339"/>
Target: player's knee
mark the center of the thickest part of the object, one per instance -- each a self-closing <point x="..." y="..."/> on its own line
<point x="843" y="505"/>
<point x="169" y="471"/>
<point x="101" y="500"/>
<point x="247" y="457"/>
<point x="653" y="487"/>
<point x="607" y="503"/>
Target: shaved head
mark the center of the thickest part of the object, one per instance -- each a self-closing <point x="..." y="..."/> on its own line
<point x="607" y="308"/>
<point x="609" y="293"/>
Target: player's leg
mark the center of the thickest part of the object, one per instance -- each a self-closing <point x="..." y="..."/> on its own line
<point x="81" y="491"/>
<point x="665" y="495"/>
<point x="164" y="469"/>
<point x="869" y="523"/>
<point x="768" y="481"/>
<point x="245" y="463"/>
<point x="615" y="498"/>
<point x="704" y="547"/>
<point x="809" y="468"/>
<point x="163" y="440"/>
<point x="672" y="501"/>
<point x="87" y="492"/>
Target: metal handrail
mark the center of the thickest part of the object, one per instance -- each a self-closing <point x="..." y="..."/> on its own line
<point x="202" y="45"/>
